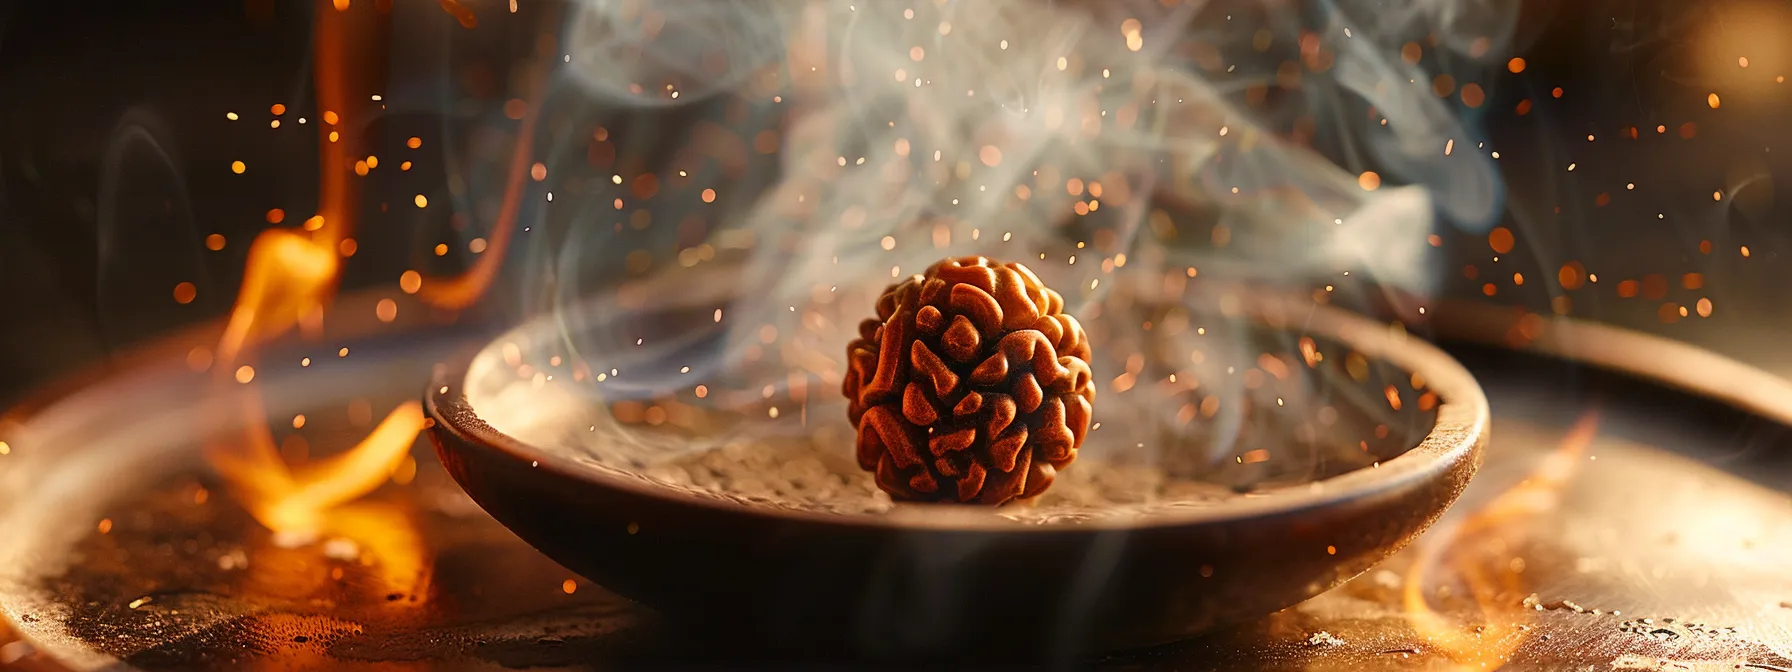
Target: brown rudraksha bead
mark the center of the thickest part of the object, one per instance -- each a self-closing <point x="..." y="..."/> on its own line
<point x="972" y="385"/>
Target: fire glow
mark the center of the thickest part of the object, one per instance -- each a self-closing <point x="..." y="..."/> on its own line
<point x="290" y="278"/>
<point x="1475" y="549"/>
<point x="1056" y="127"/>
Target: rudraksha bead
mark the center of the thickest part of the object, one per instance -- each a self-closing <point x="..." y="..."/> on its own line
<point x="972" y="385"/>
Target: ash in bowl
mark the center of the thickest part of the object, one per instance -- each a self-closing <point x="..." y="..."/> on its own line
<point x="819" y="475"/>
<point x="1259" y="409"/>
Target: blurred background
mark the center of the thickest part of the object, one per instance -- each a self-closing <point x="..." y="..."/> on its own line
<point x="1636" y="142"/>
<point x="1627" y="152"/>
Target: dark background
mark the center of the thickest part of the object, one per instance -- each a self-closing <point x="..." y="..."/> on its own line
<point x="73" y="73"/>
<point x="77" y="285"/>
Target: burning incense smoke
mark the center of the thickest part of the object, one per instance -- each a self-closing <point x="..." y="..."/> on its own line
<point x="774" y="164"/>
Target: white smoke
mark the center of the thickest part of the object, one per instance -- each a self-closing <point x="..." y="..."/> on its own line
<point x="910" y="131"/>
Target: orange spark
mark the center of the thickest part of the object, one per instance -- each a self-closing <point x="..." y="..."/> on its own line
<point x="290" y="276"/>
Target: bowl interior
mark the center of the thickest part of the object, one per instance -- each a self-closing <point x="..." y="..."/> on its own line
<point x="1196" y="408"/>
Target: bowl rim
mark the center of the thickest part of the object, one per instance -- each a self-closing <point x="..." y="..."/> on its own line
<point x="1458" y="435"/>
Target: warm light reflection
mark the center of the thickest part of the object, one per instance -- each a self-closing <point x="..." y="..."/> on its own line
<point x="1478" y="550"/>
<point x="378" y="534"/>
<point x="1734" y="39"/>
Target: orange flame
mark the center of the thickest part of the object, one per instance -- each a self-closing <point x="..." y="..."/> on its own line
<point x="290" y="278"/>
<point x="1476" y="549"/>
<point x="286" y="281"/>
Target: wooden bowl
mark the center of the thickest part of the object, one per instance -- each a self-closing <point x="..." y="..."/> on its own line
<point x="941" y="580"/>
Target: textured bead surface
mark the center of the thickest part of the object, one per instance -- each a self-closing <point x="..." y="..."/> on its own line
<point x="972" y="385"/>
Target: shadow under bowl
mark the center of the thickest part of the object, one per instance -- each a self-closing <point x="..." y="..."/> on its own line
<point x="934" y="580"/>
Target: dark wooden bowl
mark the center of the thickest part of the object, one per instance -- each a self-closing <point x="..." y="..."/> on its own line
<point x="944" y="582"/>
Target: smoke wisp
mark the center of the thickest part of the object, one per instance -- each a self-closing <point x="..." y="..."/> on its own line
<point x="764" y="168"/>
